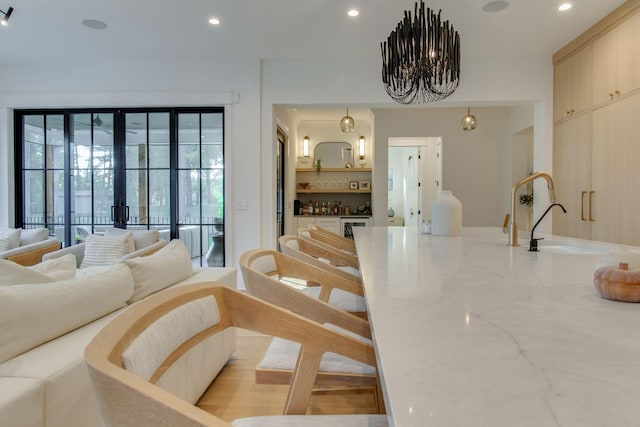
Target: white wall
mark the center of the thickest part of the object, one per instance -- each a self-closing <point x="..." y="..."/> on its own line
<point x="484" y="81"/>
<point x="471" y="161"/>
<point x="258" y="87"/>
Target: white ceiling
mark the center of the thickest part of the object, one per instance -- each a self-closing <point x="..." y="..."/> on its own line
<point x="51" y="31"/>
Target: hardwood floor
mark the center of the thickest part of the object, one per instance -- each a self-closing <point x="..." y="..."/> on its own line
<point x="234" y="393"/>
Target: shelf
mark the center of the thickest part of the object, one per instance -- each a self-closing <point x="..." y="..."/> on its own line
<point x="311" y="191"/>
<point x="334" y="170"/>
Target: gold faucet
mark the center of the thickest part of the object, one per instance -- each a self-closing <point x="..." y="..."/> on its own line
<point x="513" y="227"/>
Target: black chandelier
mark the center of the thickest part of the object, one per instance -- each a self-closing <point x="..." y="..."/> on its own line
<point x="7" y="15"/>
<point x="421" y="58"/>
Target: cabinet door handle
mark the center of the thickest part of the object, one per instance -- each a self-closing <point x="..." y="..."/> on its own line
<point x="582" y="218"/>
<point x="591" y="206"/>
<point x="610" y="95"/>
<point x="617" y="92"/>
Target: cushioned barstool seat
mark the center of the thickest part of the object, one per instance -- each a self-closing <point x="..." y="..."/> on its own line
<point x="340" y="299"/>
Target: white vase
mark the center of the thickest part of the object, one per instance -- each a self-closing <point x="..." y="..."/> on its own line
<point x="446" y="215"/>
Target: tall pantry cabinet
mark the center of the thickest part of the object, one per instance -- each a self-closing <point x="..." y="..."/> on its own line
<point x="596" y="156"/>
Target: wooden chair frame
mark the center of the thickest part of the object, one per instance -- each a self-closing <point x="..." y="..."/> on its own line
<point x="308" y="235"/>
<point x="34" y="256"/>
<point x="332" y="238"/>
<point x="128" y="400"/>
<point x="266" y="286"/>
<point x="310" y="253"/>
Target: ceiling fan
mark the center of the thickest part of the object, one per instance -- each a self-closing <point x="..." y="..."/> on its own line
<point x="106" y="128"/>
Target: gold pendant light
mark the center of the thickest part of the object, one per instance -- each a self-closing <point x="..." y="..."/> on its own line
<point x="346" y="123"/>
<point x="469" y="121"/>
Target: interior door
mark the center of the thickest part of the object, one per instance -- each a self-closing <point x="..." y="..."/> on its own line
<point x="415" y="177"/>
<point x="280" y="180"/>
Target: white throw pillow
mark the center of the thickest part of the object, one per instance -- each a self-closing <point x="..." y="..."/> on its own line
<point x="141" y="238"/>
<point x="160" y="270"/>
<point x="12" y="236"/>
<point x="12" y="273"/>
<point x="34" y="314"/>
<point x="28" y="237"/>
<point x="61" y="268"/>
<point x="4" y="244"/>
<point x="106" y="250"/>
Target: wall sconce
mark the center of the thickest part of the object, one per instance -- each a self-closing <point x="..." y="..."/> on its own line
<point x="361" y="151"/>
<point x="305" y="146"/>
<point x="5" y="19"/>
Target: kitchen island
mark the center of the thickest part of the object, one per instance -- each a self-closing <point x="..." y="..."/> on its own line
<point x="471" y="332"/>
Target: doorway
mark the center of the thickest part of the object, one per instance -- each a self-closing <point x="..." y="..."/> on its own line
<point x="280" y="180"/>
<point x="414" y="178"/>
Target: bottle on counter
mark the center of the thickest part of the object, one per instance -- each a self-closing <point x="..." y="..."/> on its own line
<point x="336" y="211"/>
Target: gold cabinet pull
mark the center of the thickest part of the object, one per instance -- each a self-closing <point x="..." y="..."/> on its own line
<point x="617" y="92"/>
<point x="610" y="95"/>
<point x="591" y="206"/>
<point x="582" y="218"/>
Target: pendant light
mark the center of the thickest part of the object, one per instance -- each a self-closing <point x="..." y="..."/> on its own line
<point x="421" y="57"/>
<point x="346" y="123"/>
<point x="469" y="121"/>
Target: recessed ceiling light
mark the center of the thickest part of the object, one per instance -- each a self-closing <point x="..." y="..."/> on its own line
<point x="564" y="6"/>
<point x="495" y="6"/>
<point x="214" y="21"/>
<point x="94" y="24"/>
<point x="353" y="13"/>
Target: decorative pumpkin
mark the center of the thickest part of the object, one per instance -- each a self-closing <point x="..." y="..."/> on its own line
<point x="618" y="283"/>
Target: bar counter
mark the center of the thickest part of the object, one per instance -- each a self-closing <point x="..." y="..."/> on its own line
<point x="471" y="332"/>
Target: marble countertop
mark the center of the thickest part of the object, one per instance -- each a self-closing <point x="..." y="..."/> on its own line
<point x="471" y="332"/>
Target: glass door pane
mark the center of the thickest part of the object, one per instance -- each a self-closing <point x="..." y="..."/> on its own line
<point x="43" y="182"/>
<point x="83" y="171"/>
<point x="201" y="186"/>
<point x="92" y="164"/>
<point x="148" y="170"/>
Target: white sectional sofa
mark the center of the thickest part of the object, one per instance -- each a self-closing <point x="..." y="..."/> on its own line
<point x="45" y="327"/>
<point x="26" y="247"/>
<point x="144" y="242"/>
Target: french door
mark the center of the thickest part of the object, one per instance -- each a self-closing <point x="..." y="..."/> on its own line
<point x="83" y="171"/>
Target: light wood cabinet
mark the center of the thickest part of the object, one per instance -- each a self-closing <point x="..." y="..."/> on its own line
<point x="596" y="153"/>
<point x="396" y="221"/>
<point x="572" y="84"/>
<point x="572" y="176"/>
<point x="616" y="154"/>
<point x="596" y="161"/>
<point x="616" y="61"/>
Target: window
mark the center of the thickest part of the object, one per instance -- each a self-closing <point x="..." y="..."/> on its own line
<point x="83" y="171"/>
